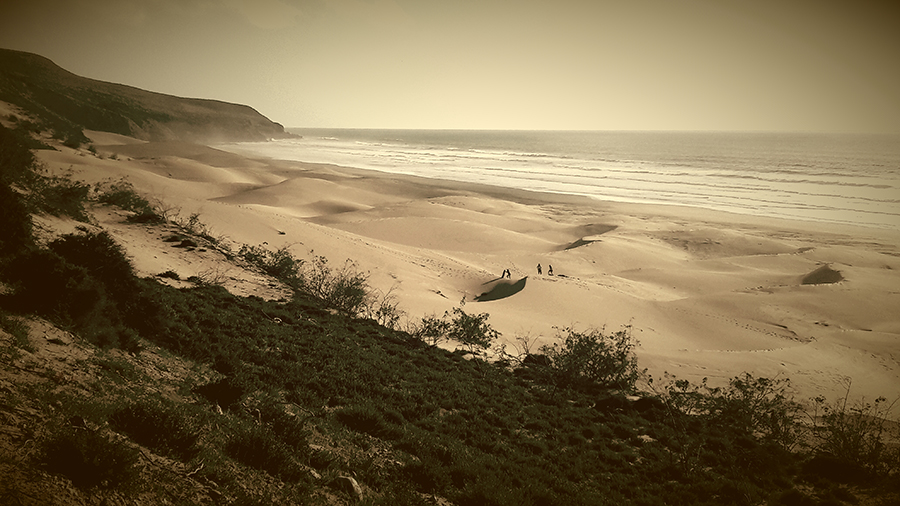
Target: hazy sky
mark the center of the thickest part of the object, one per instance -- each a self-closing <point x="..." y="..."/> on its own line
<point x="519" y="64"/>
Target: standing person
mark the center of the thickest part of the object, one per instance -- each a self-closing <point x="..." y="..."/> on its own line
<point x="539" y="269"/>
<point x="549" y="269"/>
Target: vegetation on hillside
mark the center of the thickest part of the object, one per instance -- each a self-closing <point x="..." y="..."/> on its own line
<point x="301" y="399"/>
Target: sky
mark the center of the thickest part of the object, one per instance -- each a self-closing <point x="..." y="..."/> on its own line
<point x="761" y="65"/>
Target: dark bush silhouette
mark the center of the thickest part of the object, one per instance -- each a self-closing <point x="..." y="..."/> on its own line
<point x="61" y="196"/>
<point x="164" y="428"/>
<point x="16" y="159"/>
<point x="15" y="222"/>
<point x="47" y="284"/>
<point x="16" y="162"/>
<point x="86" y="283"/>
<point x="224" y="393"/>
<point x="89" y="459"/>
<point x="103" y="258"/>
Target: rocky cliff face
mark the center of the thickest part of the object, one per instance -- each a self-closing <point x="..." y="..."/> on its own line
<point x="69" y="103"/>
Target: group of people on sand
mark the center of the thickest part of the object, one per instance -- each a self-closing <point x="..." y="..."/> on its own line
<point x="507" y="274"/>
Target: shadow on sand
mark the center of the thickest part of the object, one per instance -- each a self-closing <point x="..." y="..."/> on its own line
<point x="822" y="276"/>
<point x="502" y="290"/>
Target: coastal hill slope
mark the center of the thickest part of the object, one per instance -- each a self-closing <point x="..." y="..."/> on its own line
<point x="69" y="103"/>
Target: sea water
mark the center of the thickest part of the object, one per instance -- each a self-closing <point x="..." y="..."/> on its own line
<point x="849" y="178"/>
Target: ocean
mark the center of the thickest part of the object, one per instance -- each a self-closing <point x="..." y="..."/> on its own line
<point x="847" y="178"/>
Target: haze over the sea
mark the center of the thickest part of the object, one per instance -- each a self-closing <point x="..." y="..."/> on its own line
<point x="800" y="65"/>
<point x="849" y="178"/>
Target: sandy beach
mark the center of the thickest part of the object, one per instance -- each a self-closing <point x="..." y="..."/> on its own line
<point x="707" y="294"/>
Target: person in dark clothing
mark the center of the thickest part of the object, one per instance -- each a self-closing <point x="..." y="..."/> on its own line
<point x="539" y="269"/>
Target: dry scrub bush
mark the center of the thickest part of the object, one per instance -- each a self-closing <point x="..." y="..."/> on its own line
<point x="122" y="194"/>
<point x="471" y="331"/>
<point x="857" y="434"/>
<point x="346" y="290"/>
<point x="755" y="406"/>
<point x="593" y="358"/>
<point x="280" y="264"/>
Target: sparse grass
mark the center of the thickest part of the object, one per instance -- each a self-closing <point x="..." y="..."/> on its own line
<point x="58" y="195"/>
<point x="18" y="329"/>
<point x="122" y="194"/>
<point x="215" y="275"/>
<point x="90" y="458"/>
<point x="193" y="226"/>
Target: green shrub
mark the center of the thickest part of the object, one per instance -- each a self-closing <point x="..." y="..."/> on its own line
<point x="346" y="290"/>
<point x="471" y="331"/>
<point x="84" y="282"/>
<point x="368" y="419"/>
<point x="432" y="330"/>
<point x="279" y="264"/>
<point x="16" y="159"/>
<point x="164" y="427"/>
<point x="57" y="195"/>
<point x="103" y="258"/>
<point x="122" y="303"/>
<point x="225" y="392"/>
<point x="194" y="226"/>
<point x="16" y="165"/>
<point x="593" y="358"/>
<point x="757" y="406"/>
<point x="90" y="459"/>
<point x="15" y="222"/>
<point x="271" y="411"/>
<point x="44" y="282"/>
<point x="18" y="329"/>
<point x="751" y="406"/>
<point x="383" y="308"/>
<point x="107" y="262"/>
<point x="170" y="274"/>
<point x="257" y="447"/>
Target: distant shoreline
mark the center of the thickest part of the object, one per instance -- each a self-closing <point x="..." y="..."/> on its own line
<point x="746" y="179"/>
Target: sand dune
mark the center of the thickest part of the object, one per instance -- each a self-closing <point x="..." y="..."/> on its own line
<point x="708" y="294"/>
